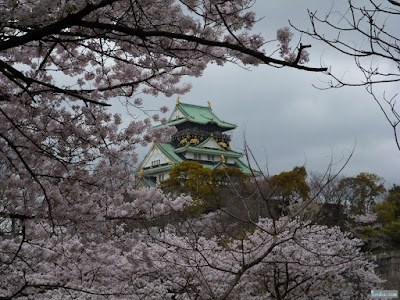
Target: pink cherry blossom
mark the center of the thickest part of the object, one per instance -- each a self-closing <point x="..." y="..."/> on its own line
<point x="72" y="223"/>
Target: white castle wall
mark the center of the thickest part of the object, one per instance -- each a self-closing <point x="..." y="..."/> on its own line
<point x="155" y="155"/>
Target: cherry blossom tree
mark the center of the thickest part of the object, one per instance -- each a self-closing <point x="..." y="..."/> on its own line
<point x="72" y="225"/>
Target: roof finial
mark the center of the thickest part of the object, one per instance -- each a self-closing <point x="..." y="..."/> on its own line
<point x="222" y="159"/>
<point x="209" y="104"/>
<point x="177" y="101"/>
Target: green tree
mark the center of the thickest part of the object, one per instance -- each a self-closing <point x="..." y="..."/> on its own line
<point x="209" y="188"/>
<point x="361" y="192"/>
<point x="381" y="228"/>
<point x="191" y="178"/>
<point x="393" y="197"/>
<point x="291" y="185"/>
<point x="229" y="178"/>
<point x="388" y="213"/>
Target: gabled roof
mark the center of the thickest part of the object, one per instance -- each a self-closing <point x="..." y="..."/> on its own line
<point x="167" y="149"/>
<point x="197" y="114"/>
<point x="210" y="143"/>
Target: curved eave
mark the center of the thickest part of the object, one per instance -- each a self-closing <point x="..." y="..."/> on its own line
<point x="157" y="169"/>
<point x="245" y="168"/>
<point x="172" y="123"/>
<point x="227" y="153"/>
<point x="227" y="126"/>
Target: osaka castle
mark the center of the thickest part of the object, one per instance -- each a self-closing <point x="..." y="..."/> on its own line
<point x="201" y="136"/>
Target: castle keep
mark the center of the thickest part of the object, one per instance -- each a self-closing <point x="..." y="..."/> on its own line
<point x="201" y="136"/>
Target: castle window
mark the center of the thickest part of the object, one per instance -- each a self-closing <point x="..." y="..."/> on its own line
<point x="210" y="157"/>
<point x="197" y="156"/>
<point x="155" y="162"/>
<point x="160" y="177"/>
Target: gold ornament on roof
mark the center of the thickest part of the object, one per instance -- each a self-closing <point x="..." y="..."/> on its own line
<point x="177" y="101"/>
<point x="222" y="159"/>
<point x="140" y="173"/>
<point x="209" y="104"/>
<point x="194" y="141"/>
<point x="183" y="141"/>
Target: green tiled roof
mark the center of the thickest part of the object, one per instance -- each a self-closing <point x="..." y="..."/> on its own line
<point x="218" y="165"/>
<point x="173" y="123"/>
<point x="157" y="169"/>
<point x="227" y="153"/>
<point x="242" y="166"/>
<point x="198" y="114"/>
<point x="245" y="168"/>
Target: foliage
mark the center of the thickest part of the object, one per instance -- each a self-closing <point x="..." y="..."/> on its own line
<point x="361" y="192"/>
<point x="190" y="177"/>
<point x="393" y="199"/>
<point x="359" y="204"/>
<point x="388" y="216"/>
<point x="206" y="187"/>
<point x="292" y="184"/>
<point x="228" y="177"/>
<point x="379" y="229"/>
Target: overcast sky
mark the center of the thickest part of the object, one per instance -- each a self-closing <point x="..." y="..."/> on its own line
<point x="286" y="121"/>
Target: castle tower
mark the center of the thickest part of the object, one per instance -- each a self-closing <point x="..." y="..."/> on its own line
<point x="200" y="137"/>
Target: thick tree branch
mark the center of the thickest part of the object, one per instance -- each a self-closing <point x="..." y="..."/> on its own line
<point x="198" y="40"/>
<point x="53" y="28"/>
